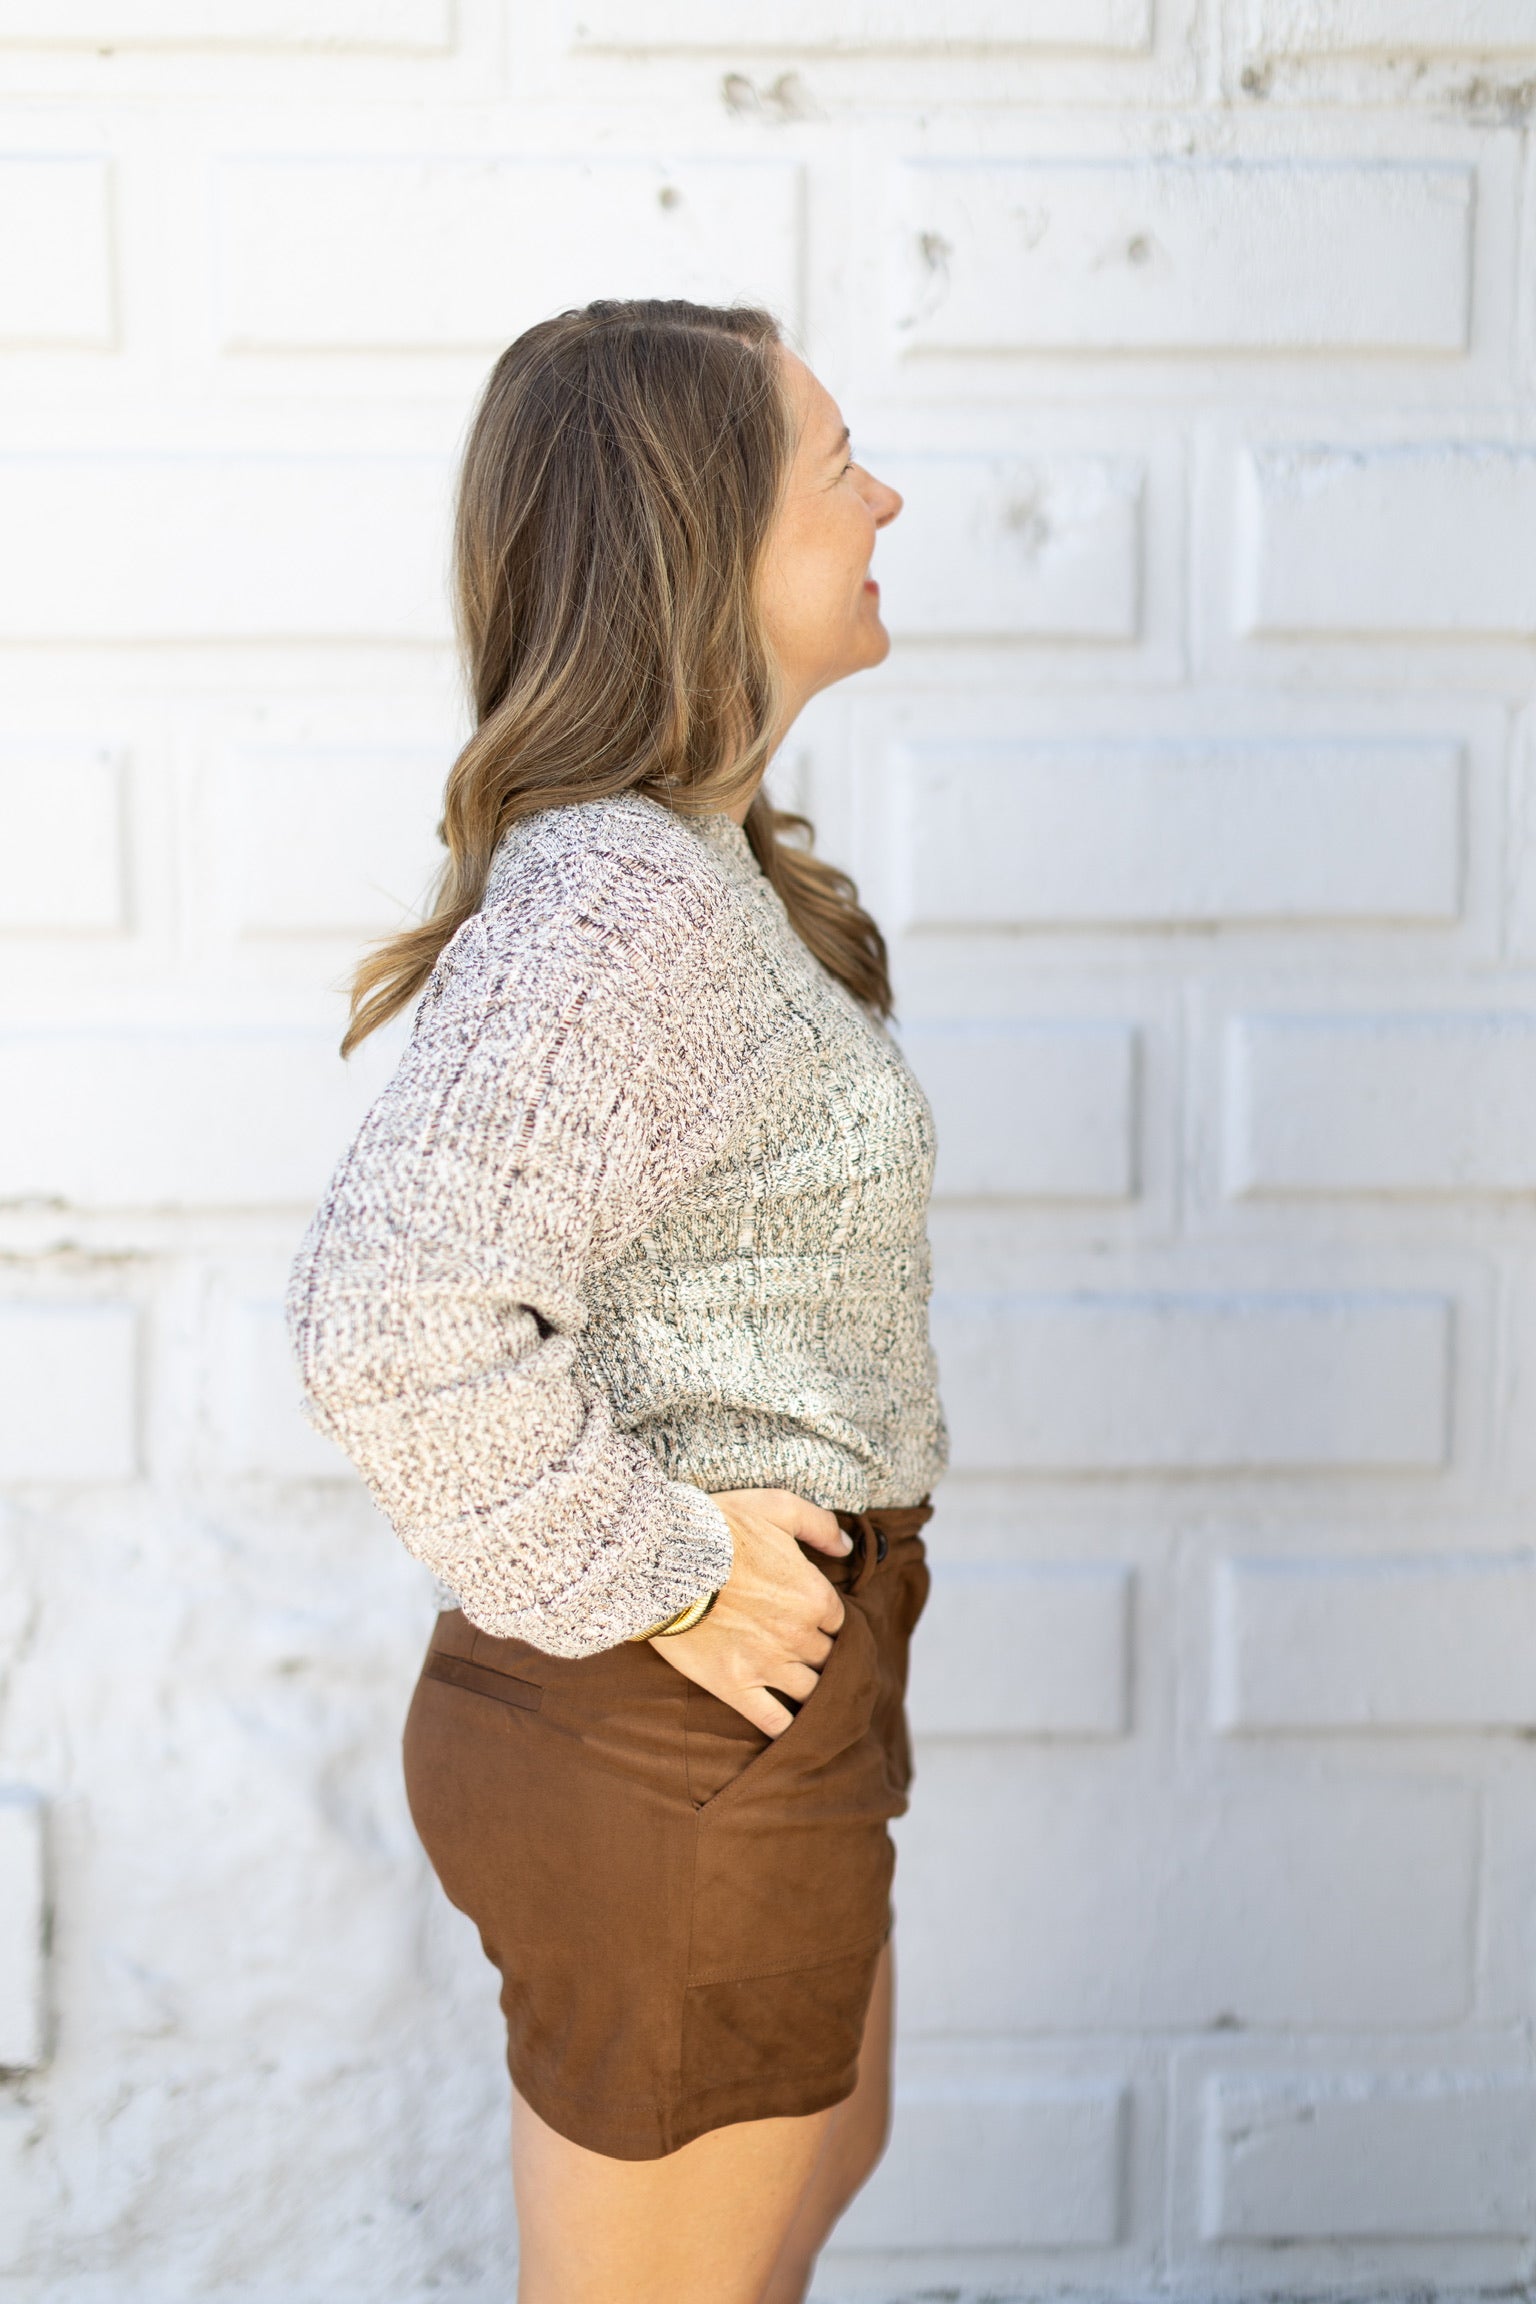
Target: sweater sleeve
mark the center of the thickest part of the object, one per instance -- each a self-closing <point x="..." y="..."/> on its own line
<point x="569" y="1075"/>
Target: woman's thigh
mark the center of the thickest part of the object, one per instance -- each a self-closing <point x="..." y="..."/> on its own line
<point x="850" y="2151"/>
<point x="739" y="2216"/>
<point x="704" y="2225"/>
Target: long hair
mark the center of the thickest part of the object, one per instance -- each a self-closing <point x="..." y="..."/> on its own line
<point x="620" y="481"/>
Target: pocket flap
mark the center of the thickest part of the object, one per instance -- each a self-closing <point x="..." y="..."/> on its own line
<point x="480" y="1680"/>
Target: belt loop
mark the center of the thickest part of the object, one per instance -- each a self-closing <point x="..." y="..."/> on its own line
<point x="873" y="1546"/>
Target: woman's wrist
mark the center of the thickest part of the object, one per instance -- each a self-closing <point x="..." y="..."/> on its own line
<point x="683" y="1621"/>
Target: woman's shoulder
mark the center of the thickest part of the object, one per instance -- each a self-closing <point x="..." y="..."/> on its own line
<point x="614" y="900"/>
<point x="625" y="864"/>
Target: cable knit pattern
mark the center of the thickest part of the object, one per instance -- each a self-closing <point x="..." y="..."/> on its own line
<point x="640" y="1214"/>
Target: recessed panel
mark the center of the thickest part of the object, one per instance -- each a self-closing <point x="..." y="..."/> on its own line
<point x="407" y="24"/>
<point x="1375" y="1644"/>
<point x="444" y="254"/>
<point x="1382" y="1103"/>
<point x="61" y="840"/>
<point x="1023" y="1650"/>
<point x="1396" y="28"/>
<point x="1012" y="548"/>
<point x="1371" y="2155"/>
<point x="225" y="547"/>
<point x="1184" y="256"/>
<point x="1116" y="25"/>
<point x="69" y="1381"/>
<point x="1167" y="834"/>
<point x="200" y="1118"/>
<point x="994" y="2163"/>
<point x="330" y="840"/>
<point x="1030" y="1111"/>
<point x="23" y="1929"/>
<point x="1431" y="540"/>
<point x="1116" y="1384"/>
<point x="55" y="254"/>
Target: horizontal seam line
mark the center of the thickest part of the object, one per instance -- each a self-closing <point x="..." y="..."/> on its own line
<point x="789" y="1967"/>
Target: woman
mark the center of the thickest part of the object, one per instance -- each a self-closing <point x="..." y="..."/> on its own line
<point x="619" y="1304"/>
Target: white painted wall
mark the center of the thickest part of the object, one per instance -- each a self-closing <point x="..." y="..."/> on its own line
<point x="1200" y="798"/>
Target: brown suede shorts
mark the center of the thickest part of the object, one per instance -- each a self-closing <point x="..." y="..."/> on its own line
<point x="686" y="1913"/>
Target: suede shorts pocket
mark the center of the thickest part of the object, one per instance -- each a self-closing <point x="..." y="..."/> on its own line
<point x="481" y="1680"/>
<point x="794" y="1859"/>
<point x="806" y="2023"/>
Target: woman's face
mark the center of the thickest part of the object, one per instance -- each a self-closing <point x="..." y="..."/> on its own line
<point x="820" y="605"/>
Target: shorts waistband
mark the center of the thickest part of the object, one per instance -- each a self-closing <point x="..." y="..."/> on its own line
<point x="875" y="1531"/>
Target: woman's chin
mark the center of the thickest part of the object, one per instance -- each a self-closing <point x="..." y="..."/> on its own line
<point x="868" y="646"/>
<point x="879" y="643"/>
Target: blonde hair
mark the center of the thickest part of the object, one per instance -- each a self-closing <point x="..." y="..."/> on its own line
<point x="621" y="478"/>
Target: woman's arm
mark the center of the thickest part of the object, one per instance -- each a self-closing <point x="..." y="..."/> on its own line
<point x="571" y="1072"/>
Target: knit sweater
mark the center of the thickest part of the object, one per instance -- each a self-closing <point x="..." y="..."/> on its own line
<point x="640" y="1214"/>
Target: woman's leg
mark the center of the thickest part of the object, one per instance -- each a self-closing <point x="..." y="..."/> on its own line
<point x="850" y="2151"/>
<point x="701" y="2226"/>
<point x="739" y="2216"/>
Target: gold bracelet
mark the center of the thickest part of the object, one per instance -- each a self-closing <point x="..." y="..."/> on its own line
<point x="683" y="1621"/>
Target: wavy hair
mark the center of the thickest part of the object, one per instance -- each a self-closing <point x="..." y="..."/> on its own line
<point x="620" y="480"/>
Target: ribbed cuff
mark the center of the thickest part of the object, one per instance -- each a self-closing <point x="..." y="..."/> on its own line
<point x="696" y="1554"/>
<point x="686" y="1552"/>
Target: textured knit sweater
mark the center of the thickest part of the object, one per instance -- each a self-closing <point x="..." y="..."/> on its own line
<point x="640" y="1214"/>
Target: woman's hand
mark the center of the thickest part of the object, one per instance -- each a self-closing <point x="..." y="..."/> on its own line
<point x="773" y="1623"/>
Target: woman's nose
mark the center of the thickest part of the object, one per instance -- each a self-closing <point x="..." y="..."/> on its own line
<point x="887" y="505"/>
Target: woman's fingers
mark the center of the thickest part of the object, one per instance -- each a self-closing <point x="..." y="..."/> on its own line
<point x="796" y="1680"/>
<point x="793" y="1516"/>
<point x="812" y="1524"/>
<point x="776" y="1616"/>
<point x="762" y="1709"/>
